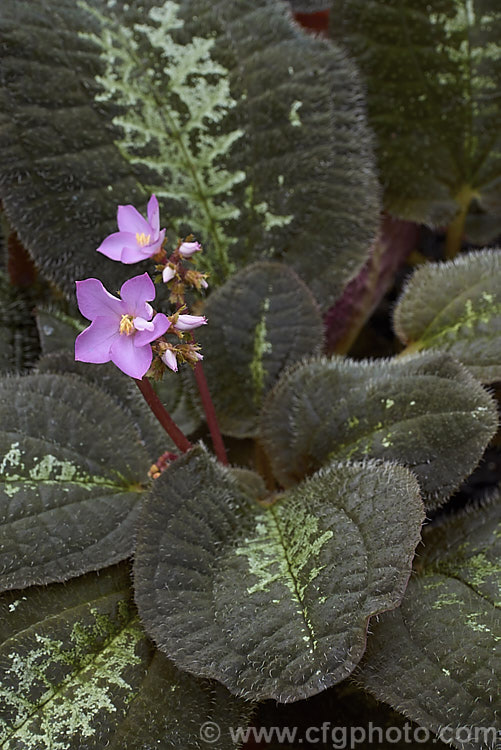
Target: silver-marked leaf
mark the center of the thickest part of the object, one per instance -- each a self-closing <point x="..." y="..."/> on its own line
<point x="108" y="102"/>
<point x="77" y="670"/>
<point x="456" y="307"/>
<point x="72" y="470"/>
<point x="273" y="601"/>
<point x="437" y="659"/>
<point x="425" y="411"/>
<point x="262" y="320"/>
<point x="433" y="74"/>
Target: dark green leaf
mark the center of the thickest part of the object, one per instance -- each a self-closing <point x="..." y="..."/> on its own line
<point x="308" y="6"/>
<point x="425" y="411"/>
<point x="57" y="330"/>
<point x="121" y="389"/>
<point x="77" y="671"/>
<point x="273" y="601"/>
<point x="456" y="307"/>
<point x="72" y="470"/>
<point x="433" y="73"/>
<point x="262" y="320"/>
<point x="176" y="394"/>
<point x="19" y="345"/>
<point x="437" y="658"/>
<point x="108" y="102"/>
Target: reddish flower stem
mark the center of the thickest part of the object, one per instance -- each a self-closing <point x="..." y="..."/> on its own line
<point x="210" y="413"/>
<point x="163" y="415"/>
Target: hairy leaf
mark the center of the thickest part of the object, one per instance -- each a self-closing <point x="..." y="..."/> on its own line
<point x="456" y="307"/>
<point x="57" y="330"/>
<point x="309" y="6"/>
<point x="273" y="601"/>
<point x="437" y="657"/>
<point x="108" y="102"/>
<point x="426" y="412"/>
<point x="78" y="671"/>
<point x="262" y="320"/>
<point x="72" y="470"/>
<point x="433" y="72"/>
<point x="19" y="345"/>
<point x="121" y="389"/>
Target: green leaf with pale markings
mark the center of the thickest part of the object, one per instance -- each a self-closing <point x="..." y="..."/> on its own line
<point x="262" y="320"/>
<point x="77" y="670"/>
<point x="433" y="74"/>
<point x="72" y="471"/>
<point x="425" y="411"/>
<point x="456" y="307"/>
<point x="108" y="102"/>
<point x="437" y="658"/>
<point x="273" y="600"/>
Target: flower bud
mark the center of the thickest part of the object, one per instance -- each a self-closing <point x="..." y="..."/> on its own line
<point x="189" y="322"/>
<point x="169" y="358"/>
<point x="168" y="273"/>
<point x="187" y="249"/>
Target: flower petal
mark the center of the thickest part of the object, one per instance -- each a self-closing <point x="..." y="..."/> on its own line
<point x="140" y="324"/>
<point x="130" y="220"/>
<point x="94" y="344"/>
<point x="135" y="293"/>
<point x="114" y="244"/>
<point x="132" y="360"/>
<point x="189" y="322"/>
<point x="133" y="254"/>
<point x="94" y="300"/>
<point x="154" y="215"/>
<point x="160" y="324"/>
<point x="155" y="246"/>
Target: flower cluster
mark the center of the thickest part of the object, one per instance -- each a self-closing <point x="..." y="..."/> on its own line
<point x="126" y="330"/>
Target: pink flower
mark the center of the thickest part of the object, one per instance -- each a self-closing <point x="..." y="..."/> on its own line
<point x="121" y="329"/>
<point x="189" y="322"/>
<point x="187" y="249"/>
<point x="137" y="239"/>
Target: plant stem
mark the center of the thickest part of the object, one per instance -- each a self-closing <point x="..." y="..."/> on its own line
<point x="389" y="252"/>
<point x="210" y="413"/>
<point x="163" y="416"/>
<point x="455" y="230"/>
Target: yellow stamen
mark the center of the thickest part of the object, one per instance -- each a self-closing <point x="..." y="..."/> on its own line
<point x="127" y="325"/>
<point x="142" y="239"/>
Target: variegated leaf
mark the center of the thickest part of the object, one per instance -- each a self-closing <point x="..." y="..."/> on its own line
<point x="104" y="103"/>
<point x="273" y="599"/>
